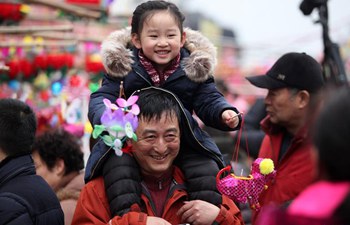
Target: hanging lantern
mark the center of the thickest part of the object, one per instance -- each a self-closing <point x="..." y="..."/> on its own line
<point x="13" y="11"/>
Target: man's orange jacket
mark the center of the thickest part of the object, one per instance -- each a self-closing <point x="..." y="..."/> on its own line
<point x="93" y="207"/>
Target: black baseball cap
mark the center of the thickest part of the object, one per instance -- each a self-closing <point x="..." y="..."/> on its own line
<point x="294" y="70"/>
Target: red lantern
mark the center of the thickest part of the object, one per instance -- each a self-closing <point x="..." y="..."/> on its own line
<point x="75" y="81"/>
<point x="26" y="68"/>
<point x="68" y="60"/>
<point x="84" y="2"/>
<point x="40" y="62"/>
<point x="14" y="68"/>
<point x="93" y="66"/>
<point x="11" y="11"/>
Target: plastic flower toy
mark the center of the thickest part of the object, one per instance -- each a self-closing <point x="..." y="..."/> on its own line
<point x="118" y="122"/>
<point x="247" y="189"/>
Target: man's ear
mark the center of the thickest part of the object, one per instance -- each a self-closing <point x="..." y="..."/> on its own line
<point x="136" y="40"/>
<point x="304" y="98"/>
<point x="59" y="168"/>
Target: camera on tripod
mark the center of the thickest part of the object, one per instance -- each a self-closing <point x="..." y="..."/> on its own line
<point x="333" y="67"/>
<point x="307" y="6"/>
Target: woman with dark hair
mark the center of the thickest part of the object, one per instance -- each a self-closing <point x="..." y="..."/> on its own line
<point x="60" y="161"/>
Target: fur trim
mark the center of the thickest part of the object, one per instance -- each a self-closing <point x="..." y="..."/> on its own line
<point x="202" y="61"/>
<point x="117" y="56"/>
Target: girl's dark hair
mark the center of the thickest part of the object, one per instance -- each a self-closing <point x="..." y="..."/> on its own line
<point x="59" y="144"/>
<point x="331" y="136"/>
<point x="146" y="9"/>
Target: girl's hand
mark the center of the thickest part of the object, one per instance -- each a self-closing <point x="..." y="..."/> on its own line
<point x="230" y="118"/>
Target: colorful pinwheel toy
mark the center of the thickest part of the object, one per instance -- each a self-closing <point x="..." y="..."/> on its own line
<point x="118" y="122"/>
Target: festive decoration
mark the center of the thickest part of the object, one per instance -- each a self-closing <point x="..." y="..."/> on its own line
<point x="247" y="189"/>
<point x="119" y="121"/>
<point x="41" y="81"/>
<point x="94" y="64"/>
<point x="103" y="4"/>
<point x="13" y="11"/>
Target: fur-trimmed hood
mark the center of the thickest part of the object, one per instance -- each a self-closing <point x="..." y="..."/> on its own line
<point x="117" y="56"/>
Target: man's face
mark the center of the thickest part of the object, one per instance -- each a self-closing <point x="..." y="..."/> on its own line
<point x="282" y="106"/>
<point x="158" y="144"/>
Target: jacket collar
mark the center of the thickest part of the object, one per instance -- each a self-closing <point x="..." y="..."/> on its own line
<point x="12" y="167"/>
<point x="271" y="129"/>
<point x="117" y="56"/>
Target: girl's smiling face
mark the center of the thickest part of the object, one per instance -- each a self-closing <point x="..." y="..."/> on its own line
<point x="160" y="39"/>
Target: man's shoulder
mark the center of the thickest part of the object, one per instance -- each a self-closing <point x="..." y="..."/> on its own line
<point x="13" y="206"/>
<point x="11" y="201"/>
<point x="28" y="206"/>
<point x="95" y="185"/>
<point x="30" y="188"/>
<point x="96" y="182"/>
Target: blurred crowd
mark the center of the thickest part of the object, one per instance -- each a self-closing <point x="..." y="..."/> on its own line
<point x="147" y="145"/>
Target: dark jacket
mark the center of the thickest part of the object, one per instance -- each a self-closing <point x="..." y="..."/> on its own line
<point x="25" y="198"/>
<point x="192" y="83"/>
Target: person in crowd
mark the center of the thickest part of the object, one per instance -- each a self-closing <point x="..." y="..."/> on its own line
<point x="327" y="201"/>
<point x="24" y="196"/>
<point x="294" y="85"/>
<point x="59" y="160"/>
<point x="164" y="198"/>
<point x="159" y="51"/>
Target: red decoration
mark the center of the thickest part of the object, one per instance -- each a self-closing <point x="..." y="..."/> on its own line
<point x="11" y="11"/>
<point x="57" y="61"/>
<point x="14" y="68"/>
<point x="84" y="2"/>
<point x="26" y="68"/>
<point x="45" y="95"/>
<point x="40" y="62"/>
<point x="75" y="81"/>
<point x="20" y="66"/>
<point x="93" y="66"/>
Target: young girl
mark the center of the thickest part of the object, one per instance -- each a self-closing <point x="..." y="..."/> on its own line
<point x="160" y="52"/>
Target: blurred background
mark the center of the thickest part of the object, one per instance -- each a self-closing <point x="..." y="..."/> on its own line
<point x="49" y="50"/>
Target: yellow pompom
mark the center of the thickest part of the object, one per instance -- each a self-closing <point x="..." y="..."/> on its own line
<point x="95" y="58"/>
<point x="88" y="128"/>
<point x="25" y="9"/>
<point x="266" y="166"/>
<point x="28" y="40"/>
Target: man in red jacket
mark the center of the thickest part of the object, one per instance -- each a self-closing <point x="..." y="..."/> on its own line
<point x="294" y="83"/>
<point x="164" y="196"/>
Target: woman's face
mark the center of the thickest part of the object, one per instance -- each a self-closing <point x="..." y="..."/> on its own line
<point x="51" y="176"/>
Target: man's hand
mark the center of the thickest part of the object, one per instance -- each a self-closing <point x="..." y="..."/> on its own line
<point x="198" y="212"/>
<point x="152" y="220"/>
